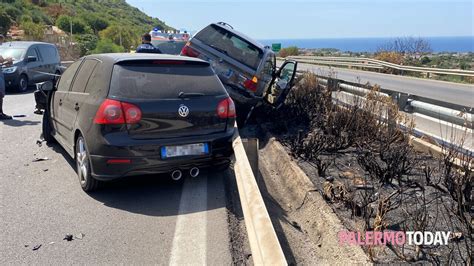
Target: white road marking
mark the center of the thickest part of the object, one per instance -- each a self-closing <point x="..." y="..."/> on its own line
<point x="189" y="242"/>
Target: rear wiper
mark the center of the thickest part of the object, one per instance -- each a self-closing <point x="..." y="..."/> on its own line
<point x="189" y="94"/>
<point x="219" y="49"/>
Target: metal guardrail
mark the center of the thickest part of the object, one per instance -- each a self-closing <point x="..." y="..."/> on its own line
<point x="449" y="112"/>
<point x="263" y="240"/>
<point x="377" y="64"/>
<point x="452" y="113"/>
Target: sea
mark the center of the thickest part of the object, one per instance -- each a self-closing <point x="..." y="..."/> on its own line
<point x="460" y="44"/>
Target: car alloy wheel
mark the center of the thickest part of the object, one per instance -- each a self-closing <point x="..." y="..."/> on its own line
<point x="23" y="84"/>
<point x="82" y="161"/>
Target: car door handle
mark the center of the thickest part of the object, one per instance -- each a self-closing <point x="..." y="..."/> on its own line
<point x="60" y="101"/>
<point x="76" y="107"/>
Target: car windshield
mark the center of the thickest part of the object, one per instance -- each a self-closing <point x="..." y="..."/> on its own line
<point x="15" y="53"/>
<point x="142" y="80"/>
<point x="232" y="45"/>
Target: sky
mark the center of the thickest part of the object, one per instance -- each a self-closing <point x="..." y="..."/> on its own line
<point x="305" y="19"/>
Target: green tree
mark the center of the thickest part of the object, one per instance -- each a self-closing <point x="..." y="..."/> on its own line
<point x="120" y="35"/>
<point x="78" y="26"/>
<point x="289" y="51"/>
<point x="5" y="22"/>
<point x="425" y="60"/>
<point x="87" y="43"/>
<point x="33" y="31"/>
<point x="96" y="22"/>
<point x="107" y="46"/>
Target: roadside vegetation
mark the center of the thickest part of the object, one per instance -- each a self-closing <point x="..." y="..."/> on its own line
<point x="362" y="160"/>
<point x="288" y="51"/>
<point x="84" y="26"/>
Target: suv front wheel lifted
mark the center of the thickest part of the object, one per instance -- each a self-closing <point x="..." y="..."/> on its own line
<point x="88" y="183"/>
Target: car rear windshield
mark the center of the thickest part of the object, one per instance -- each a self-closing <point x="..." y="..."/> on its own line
<point x="234" y="46"/>
<point x="159" y="80"/>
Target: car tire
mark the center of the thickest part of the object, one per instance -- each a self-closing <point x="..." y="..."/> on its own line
<point x="23" y="83"/>
<point x="242" y="113"/>
<point x="83" y="166"/>
<point x="47" y="129"/>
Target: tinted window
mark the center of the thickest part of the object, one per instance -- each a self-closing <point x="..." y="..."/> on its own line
<point x="32" y="52"/>
<point x="83" y="75"/>
<point x="49" y="54"/>
<point x="163" y="81"/>
<point x="269" y="66"/>
<point x="232" y="45"/>
<point x="68" y="76"/>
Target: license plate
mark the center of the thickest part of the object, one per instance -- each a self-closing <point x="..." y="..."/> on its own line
<point x="184" y="150"/>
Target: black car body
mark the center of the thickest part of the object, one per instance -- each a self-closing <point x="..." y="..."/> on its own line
<point x="246" y="67"/>
<point x="33" y="62"/>
<point x="133" y="112"/>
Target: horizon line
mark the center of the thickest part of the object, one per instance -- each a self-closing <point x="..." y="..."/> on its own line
<point x="378" y="37"/>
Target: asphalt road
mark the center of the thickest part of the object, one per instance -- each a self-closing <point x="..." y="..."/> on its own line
<point x="456" y="93"/>
<point x="141" y="220"/>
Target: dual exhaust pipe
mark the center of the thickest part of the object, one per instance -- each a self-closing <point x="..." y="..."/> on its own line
<point x="178" y="174"/>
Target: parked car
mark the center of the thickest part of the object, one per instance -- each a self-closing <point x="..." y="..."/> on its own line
<point x="246" y="67"/>
<point x="169" y="43"/>
<point x="130" y="114"/>
<point x="33" y="62"/>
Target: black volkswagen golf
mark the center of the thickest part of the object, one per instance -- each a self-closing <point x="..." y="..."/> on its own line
<point x="130" y="114"/>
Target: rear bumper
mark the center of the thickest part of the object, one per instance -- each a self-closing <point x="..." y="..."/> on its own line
<point x="149" y="161"/>
<point x="242" y="96"/>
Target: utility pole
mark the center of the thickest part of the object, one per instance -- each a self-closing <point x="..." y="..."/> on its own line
<point x="120" y="35"/>
<point x="70" y="26"/>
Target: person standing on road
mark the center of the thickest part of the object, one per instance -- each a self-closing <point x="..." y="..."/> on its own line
<point x="146" y="46"/>
<point x="3" y="62"/>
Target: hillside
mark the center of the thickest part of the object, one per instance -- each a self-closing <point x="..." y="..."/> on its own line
<point x="97" y="25"/>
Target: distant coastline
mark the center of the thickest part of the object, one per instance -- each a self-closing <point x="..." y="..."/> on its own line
<point x="461" y="44"/>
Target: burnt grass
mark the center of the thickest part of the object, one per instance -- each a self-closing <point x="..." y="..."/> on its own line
<point x="369" y="173"/>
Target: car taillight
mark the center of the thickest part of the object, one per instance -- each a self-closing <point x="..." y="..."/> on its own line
<point x="226" y="108"/>
<point x="112" y="112"/>
<point x="251" y="84"/>
<point x="188" y="51"/>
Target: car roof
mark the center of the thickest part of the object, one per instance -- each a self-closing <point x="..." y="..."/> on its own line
<point x="236" y="32"/>
<point x="113" y="58"/>
<point x="22" y="44"/>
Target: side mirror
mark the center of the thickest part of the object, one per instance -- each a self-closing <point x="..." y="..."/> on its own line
<point x="31" y="59"/>
<point x="45" y="86"/>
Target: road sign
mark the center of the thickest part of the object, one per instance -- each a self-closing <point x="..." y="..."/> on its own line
<point x="276" y="47"/>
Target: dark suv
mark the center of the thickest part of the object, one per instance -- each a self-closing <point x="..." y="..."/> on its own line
<point x="129" y="114"/>
<point x="246" y="68"/>
<point x="33" y="62"/>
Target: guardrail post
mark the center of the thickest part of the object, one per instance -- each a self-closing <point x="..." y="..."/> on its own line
<point x="402" y="101"/>
<point x="333" y="84"/>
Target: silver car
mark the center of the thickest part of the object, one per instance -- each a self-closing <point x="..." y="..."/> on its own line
<point x="246" y="67"/>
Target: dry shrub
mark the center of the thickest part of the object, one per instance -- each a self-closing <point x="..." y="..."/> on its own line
<point x="385" y="152"/>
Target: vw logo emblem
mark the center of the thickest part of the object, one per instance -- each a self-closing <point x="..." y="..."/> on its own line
<point x="183" y="110"/>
